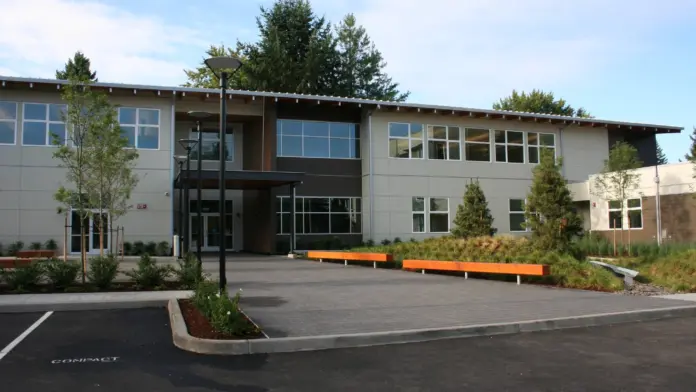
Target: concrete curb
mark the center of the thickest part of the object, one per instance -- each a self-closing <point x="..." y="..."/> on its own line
<point x="310" y="343"/>
<point x="90" y="301"/>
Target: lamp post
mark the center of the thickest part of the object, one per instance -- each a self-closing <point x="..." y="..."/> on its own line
<point x="199" y="116"/>
<point x="227" y="66"/>
<point x="188" y="145"/>
<point x="180" y="162"/>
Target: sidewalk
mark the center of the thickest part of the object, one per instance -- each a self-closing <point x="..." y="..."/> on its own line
<point x="13" y="303"/>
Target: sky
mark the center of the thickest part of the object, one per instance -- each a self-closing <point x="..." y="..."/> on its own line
<point x="626" y="60"/>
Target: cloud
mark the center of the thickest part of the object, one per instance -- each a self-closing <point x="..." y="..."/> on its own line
<point x="40" y="35"/>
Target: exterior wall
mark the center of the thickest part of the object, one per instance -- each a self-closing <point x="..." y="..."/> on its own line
<point x="29" y="177"/>
<point x="645" y="144"/>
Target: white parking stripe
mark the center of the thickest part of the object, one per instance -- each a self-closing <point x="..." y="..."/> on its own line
<point x="24" y="334"/>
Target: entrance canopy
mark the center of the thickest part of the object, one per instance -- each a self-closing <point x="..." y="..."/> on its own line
<point x="238" y="179"/>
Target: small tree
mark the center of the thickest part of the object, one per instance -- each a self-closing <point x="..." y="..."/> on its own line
<point x="691" y="155"/>
<point x="619" y="178"/>
<point x="473" y="216"/>
<point x="549" y="210"/>
<point x="661" y="156"/>
<point x="77" y="68"/>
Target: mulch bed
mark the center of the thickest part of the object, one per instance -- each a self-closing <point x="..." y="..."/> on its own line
<point x="88" y="288"/>
<point x="198" y="325"/>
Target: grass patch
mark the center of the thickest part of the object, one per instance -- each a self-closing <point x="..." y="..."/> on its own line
<point x="675" y="272"/>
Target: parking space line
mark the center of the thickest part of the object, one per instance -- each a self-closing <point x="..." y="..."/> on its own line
<point x="24" y="334"/>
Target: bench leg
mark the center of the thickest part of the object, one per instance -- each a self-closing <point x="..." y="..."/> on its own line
<point x="374" y="264"/>
<point x="519" y="279"/>
<point x="466" y="275"/>
<point x="345" y="262"/>
<point x="321" y="260"/>
<point x="423" y="271"/>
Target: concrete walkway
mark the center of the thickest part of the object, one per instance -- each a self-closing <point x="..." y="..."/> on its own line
<point x="86" y="301"/>
<point x="293" y="298"/>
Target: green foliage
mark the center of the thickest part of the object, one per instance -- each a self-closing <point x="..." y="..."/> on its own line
<point x="51" y="245"/>
<point x="538" y="101"/>
<point x="619" y="178"/>
<point x="77" y="68"/>
<point x="102" y="271"/>
<point x="138" y="248"/>
<point x="385" y="242"/>
<point x="14" y="248"/>
<point x="691" y="155"/>
<point x="127" y="249"/>
<point x="2" y="250"/>
<point x="189" y="272"/>
<point x="148" y="274"/>
<point x="676" y="271"/>
<point x="163" y="249"/>
<point x="473" y="217"/>
<point x="661" y="156"/>
<point x="397" y="240"/>
<point x="549" y="209"/>
<point x="222" y="312"/>
<point x="61" y="274"/>
<point x="151" y="248"/>
<point x="35" y="246"/>
<point x="24" y="277"/>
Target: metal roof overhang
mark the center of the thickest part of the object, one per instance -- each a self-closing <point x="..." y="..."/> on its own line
<point x="239" y="179"/>
<point x="205" y="93"/>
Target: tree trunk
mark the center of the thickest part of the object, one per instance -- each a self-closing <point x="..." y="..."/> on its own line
<point x="101" y="234"/>
<point x="65" y="238"/>
<point x="83" y="252"/>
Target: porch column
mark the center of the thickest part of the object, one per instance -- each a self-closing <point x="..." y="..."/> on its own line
<point x="294" y="219"/>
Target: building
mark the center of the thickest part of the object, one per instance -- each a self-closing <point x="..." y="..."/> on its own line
<point x="363" y="170"/>
<point x="639" y="215"/>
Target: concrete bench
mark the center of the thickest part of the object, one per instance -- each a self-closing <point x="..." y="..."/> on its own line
<point x="35" y="254"/>
<point x="487" y="268"/>
<point x="351" y="256"/>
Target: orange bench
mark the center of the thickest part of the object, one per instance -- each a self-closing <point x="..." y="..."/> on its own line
<point x="487" y="268"/>
<point x="352" y="256"/>
<point x="35" y="254"/>
<point x="12" y="263"/>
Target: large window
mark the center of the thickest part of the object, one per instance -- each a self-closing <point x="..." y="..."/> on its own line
<point x="406" y="140"/>
<point x="509" y="146"/>
<point x="211" y="145"/>
<point x="432" y="213"/>
<point x="320" y="215"/>
<point x="443" y="143"/>
<point x="517" y="219"/>
<point x="615" y="215"/>
<point x="8" y="122"/>
<point x="418" y="211"/>
<point x="477" y="145"/>
<point x="634" y="212"/>
<point x="537" y="141"/>
<point x="316" y="139"/>
<point x="140" y="127"/>
<point x="42" y="123"/>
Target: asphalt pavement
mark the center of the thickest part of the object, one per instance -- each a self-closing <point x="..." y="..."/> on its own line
<point x="117" y="350"/>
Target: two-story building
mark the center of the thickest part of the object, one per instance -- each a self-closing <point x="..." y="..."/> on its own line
<point x="360" y="169"/>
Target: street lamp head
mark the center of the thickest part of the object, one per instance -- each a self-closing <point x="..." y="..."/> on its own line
<point x="199" y="115"/>
<point x="226" y="63"/>
<point x="188" y="144"/>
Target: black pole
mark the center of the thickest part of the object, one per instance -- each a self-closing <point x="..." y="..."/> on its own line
<point x="199" y="245"/>
<point x="181" y="206"/>
<point x="293" y="220"/>
<point x="222" y="185"/>
<point x="187" y="206"/>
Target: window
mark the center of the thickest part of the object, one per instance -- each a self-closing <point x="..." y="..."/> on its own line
<point x="536" y="141"/>
<point x="418" y="211"/>
<point x="140" y="127"/>
<point x="315" y="139"/>
<point x="405" y="140"/>
<point x="43" y="123"/>
<point x="439" y="215"/>
<point x="634" y="213"/>
<point x="210" y="145"/>
<point x="477" y="145"/>
<point x="615" y="215"/>
<point x="517" y="219"/>
<point x="509" y="146"/>
<point x="320" y="215"/>
<point x="443" y="143"/>
<point x="8" y="122"/>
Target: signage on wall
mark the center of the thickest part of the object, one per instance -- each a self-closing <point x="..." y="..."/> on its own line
<point x="142" y="206"/>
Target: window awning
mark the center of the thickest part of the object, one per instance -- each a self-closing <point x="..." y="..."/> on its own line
<point x="238" y="179"/>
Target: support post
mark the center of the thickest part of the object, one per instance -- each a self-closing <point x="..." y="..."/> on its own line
<point x="180" y="229"/>
<point x="187" y="204"/>
<point x="519" y="279"/>
<point x="221" y="179"/>
<point x="199" y="196"/>
<point x="294" y="219"/>
<point x="466" y="275"/>
<point x="374" y="264"/>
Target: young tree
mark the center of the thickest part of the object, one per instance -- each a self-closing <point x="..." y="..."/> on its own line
<point x="203" y="77"/>
<point x="619" y="178"/>
<point x="691" y="155"/>
<point x="661" y="157"/>
<point x="473" y="217"/>
<point x="538" y="101"/>
<point x="549" y="210"/>
<point x="77" y="68"/>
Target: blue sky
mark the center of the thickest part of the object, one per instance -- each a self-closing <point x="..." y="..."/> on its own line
<point x="632" y="60"/>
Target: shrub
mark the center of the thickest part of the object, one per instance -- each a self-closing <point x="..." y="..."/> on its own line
<point x="127" y="249"/>
<point x="397" y="240"/>
<point x="151" y="248"/>
<point x="386" y="242"/>
<point x="24" y="277"/>
<point x="163" y="249"/>
<point x="14" y="248"/>
<point x="189" y="272"/>
<point x="51" y="245"/>
<point x="203" y="296"/>
<point x="148" y="274"/>
<point x="221" y="311"/>
<point x="473" y="216"/>
<point x="138" y="248"/>
<point x="102" y="271"/>
<point x="61" y="274"/>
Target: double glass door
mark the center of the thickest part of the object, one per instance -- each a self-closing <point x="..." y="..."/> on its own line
<point x="91" y="225"/>
<point x="211" y="227"/>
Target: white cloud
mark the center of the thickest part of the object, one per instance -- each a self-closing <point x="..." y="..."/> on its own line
<point x="39" y="36"/>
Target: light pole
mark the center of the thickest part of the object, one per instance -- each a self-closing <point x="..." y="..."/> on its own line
<point x="181" y="202"/>
<point x="227" y="66"/>
<point x="188" y="145"/>
<point x="199" y="116"/>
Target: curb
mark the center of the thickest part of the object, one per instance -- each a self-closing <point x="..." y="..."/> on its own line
<point x="92" y="304"/>
<point x="184" y="341"/>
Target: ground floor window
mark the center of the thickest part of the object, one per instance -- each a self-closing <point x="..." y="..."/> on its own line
<point x="634" y="214"/>
<point x="432" y="212"/>
<point x="90" y="221"/>
<point x="319" y="215"/>
<point x="517" y="219"/>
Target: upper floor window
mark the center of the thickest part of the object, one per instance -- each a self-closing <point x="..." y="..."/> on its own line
<point x="316" y="139"/>
<point x="444" y="143"/>
<point x="406" y="140"/>
<point x="320" y="215"/>
<point x="537" y="141"/>
<point x="477" y="145"/>
<point x="210" y="145"/>
<point x="509" y="146"/>
<point x="8" y="122"/>
<point x="43" y="123"/>
<point x="140" y="127"/>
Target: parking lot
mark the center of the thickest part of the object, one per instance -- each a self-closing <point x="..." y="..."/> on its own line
<point x="117" y="350"/>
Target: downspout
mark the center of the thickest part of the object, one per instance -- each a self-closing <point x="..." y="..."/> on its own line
<point x="171" y="175"/>
<point x="371" y="194"/>
<point x="658" y="213"/>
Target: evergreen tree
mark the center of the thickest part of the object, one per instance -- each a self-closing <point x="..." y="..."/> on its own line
<point x="691" y="155"/>
<point x="77" y="68"/>
<point x="539" y="102"/>
<point x="473" y="217"/>
<point x="549" y="210"/>
<point x="203" y="77"/>
<point x="661" y="157"/>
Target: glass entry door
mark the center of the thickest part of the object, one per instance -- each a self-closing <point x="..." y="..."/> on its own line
<point x="91" y="225"/>
<point x="211" y="230"/>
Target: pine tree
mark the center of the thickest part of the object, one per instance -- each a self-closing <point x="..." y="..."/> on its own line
<point x="77" y="68"/>
<point x="549" y="209"/>
<point x="473" y="217"/>
<point x="691" y="155"/>
<point x="538" y="101"/>
<point x="661" y="157"/>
